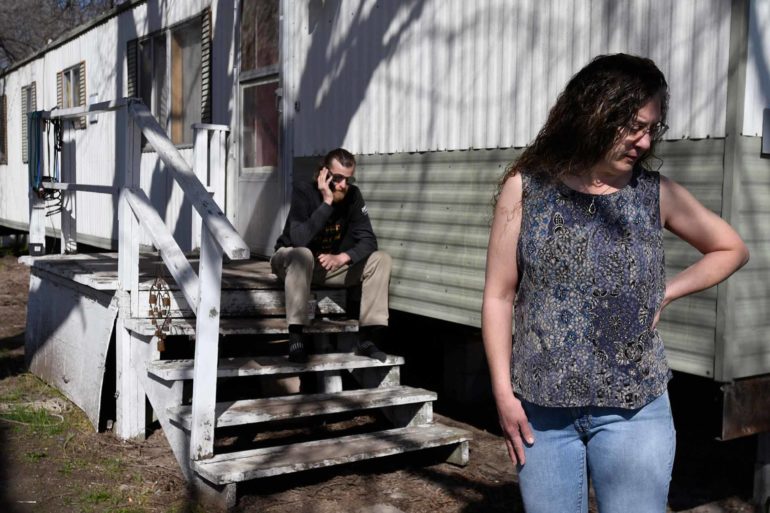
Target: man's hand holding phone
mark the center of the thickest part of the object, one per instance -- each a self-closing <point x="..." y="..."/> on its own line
<point x="325" y="185"/>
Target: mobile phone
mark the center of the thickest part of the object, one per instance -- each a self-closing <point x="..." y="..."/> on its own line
<point x="332" y="186"/>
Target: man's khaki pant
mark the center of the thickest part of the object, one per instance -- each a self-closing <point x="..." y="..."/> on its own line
<point x="299" y="270"/>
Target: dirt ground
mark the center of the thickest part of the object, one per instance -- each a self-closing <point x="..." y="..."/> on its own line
<point x="51" y="460"/>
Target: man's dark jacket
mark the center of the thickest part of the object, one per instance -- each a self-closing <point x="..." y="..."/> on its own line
<point x="342" y="227"/>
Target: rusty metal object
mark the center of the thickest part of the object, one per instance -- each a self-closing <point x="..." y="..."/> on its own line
<point x="746" y="407"/>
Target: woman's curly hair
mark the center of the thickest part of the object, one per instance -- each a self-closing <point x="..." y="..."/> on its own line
<point x="594" y="110"/>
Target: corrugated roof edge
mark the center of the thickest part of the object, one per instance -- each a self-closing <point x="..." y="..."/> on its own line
<point x="72" y="34"/>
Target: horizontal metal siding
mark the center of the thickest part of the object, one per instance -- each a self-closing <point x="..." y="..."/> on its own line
<point x="432" y="211"/>
<point x="688" y="325"/>
<point x="749" y="338"/>
<point x="383" y="77"/>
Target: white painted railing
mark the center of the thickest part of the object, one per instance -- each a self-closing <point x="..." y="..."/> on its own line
<point x="215" y="233"/>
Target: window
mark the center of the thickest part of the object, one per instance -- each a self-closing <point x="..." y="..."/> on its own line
<point x="3" y="131"/>
<point x="169" y="71"/>
<point x="260" y="125"/>
<point x="259" y="80"/>
<point x="259" y="34"/>
<point x="71" y="90"/>
<point x="28" y="104"/>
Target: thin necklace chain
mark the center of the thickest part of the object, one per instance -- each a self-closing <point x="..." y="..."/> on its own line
<point x="592" y="206"/>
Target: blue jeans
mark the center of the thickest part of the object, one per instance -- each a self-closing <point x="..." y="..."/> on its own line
<point x="628" y="455"/>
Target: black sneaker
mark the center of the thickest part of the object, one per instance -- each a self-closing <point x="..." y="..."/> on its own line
<point x="297" y="351"/>
<point x="367" y="348"/>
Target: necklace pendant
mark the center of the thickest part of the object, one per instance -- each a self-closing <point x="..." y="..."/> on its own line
<point x="592" y="207"/>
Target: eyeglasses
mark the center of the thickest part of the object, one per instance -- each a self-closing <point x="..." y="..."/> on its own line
<point x="338" y="178"/>
<point x="638" y="130"/>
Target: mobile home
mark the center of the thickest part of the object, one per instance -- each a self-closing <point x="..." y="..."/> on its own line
<point x="436" y="98"/>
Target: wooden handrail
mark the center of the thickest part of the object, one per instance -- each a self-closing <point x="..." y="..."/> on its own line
<point x="80" y="187"/>
<point x="81" y="110"/>
<point x="211" y="215"/>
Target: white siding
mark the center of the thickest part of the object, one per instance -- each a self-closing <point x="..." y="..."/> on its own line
<point x="103" y="48"/>
<point x="384" y="77"/>
<point x="757" y="68"/>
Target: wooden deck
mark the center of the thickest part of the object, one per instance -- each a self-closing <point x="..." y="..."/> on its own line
<point x="249" y="288"/>
<point x="100" y="271"/>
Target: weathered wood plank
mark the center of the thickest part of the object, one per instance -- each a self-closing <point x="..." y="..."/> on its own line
<point x="128" y="157"/>
<point x="206" y="347"/>
<point x="253" y="411"/>
<point x="271" y="365"/>
<point x="243" y="302"/>
<point x="82" y="187"/>
<point x="272" y="461"/>
<point x="244" y="326"/>
<point x="200" y="168"/>
<point x="76" y="112"/>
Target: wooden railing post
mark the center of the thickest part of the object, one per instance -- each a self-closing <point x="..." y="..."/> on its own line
<point x="206" y="348"/>
<point x="68" y="214"/>
<point x="200" y="168"/>
<point x="130" y="402"/>
<point x="209" y="166"/>
<point x="217" y="159"/>
<point x="128" y="157"/>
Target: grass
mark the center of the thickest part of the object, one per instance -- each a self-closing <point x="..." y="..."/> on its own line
<point x="40" y="421"/>
<point x="25" y="387"/>
<point x="72" y="465"/>
<point x="106" y="500"/>
<point x="35" y="456"/>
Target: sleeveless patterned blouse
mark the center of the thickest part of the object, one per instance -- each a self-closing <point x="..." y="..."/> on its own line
<point x="591" y="277"/>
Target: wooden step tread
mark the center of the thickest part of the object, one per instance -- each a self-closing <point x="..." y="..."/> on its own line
<point x="244" y="326"/>
<point x="253" y="411"/>
<point x="272" y="461"/>
<point x="270" y="365"/>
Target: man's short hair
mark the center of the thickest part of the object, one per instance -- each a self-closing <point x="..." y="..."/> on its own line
<point x="341" y="155"/>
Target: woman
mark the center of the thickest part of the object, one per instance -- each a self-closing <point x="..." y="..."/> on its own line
<point x="577" y="242"/>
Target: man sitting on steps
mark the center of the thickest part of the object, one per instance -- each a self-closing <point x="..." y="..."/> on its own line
<point x="328" y="241"/>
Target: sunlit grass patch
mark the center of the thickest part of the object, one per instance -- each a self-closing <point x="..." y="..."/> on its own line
<point x="39" y="420"/>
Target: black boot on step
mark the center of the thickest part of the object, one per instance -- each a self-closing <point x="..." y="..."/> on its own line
<point x="297" y="348"/>
<point x="366" y="346"/>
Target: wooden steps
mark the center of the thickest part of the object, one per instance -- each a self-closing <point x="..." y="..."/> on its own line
<point x="170" y="370"/>
<point x="255" y="411"/>
<point x="271" y="461"/>
<point x="243" y="326"/>
<point x="251" y="309"/>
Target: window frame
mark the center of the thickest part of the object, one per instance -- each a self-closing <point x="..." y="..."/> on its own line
<point x="28" y="92"/>
<point x="161" y="94"/>
<point x="76" y="98"/>
<point x="255" y="77"/>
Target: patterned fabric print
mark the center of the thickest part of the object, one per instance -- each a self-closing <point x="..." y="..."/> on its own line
<point x="331" y="234"/>
<point x="590" y="284"/>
